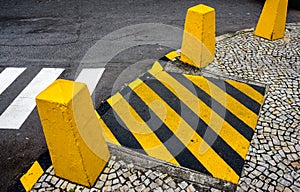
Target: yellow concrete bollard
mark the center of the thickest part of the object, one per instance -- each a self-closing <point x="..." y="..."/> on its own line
<point x="198" y="42"/>
<point x="73" y="133"/>
<point x="271" y="23"/>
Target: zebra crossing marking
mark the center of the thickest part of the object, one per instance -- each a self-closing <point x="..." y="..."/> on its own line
<point x="8" y="76"/>
<point x="91" y="77"/>
<point x="18" y="111"/>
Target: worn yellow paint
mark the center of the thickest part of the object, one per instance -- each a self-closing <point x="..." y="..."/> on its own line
<point x="230" y="103"/>
<point x="271" y="23"/>
<point x="222" y="128"/>
<point x="73" y="133"/>
<point x="248" y="90"/>
<point x="141" y="131"/>
<point x="172" y="55"/>
<point x="198" y="42"/>
<point x="185" y="133"/>
<point x="156" y="68"/>
<point x="32" y="176"/>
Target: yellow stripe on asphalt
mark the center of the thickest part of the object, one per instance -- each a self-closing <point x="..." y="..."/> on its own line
<point x="222" y="128"/>
<point x="141" y="131"/>
<point x="31" y="177"/>
<point x="156" y="68"/>
<point x="185" y="133"/>
<point x="247" y="90"/>
<point x="172" y="55"/>
<point x="230" y="103"/>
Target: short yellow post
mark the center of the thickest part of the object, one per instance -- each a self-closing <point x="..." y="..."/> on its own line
<point x="271" y="23"/>
<point x="73" y="133"/>
<point x="198" y="42"/>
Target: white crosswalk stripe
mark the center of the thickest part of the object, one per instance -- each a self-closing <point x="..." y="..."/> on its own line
<point x="19" y="110"/>
<point x="8" y="75"/>
<point x="90" y="76"/>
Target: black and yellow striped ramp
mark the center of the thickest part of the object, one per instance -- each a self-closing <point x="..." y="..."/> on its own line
<point x="197" y="122"/>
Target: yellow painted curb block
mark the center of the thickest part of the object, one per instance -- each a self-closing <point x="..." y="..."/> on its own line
<point x="156" y="68"/>
<point x="31" y="177"/>
<point x="198" y="43"/>
<point x="172" y="55"/>
<point x="271" y="23"/>
<point x="73" y="133"/>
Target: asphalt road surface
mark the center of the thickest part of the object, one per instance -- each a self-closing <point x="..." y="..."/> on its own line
<point x="65" y="37"/>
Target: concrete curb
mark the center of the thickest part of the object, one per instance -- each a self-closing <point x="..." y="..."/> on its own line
<point x="144" y="162"/>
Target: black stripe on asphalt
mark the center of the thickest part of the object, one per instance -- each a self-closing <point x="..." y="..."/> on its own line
<point x="183" y="156"/>
<point x="119" y="129"/>
<point x="237" y="94"/>
<point x="45" y="161"/>
<point x="103" y="108"/>
<point x="260" y="89"/>
<point x="163" y="61"/>
<point x="164" y="58"/>
<point x="18" y="85"/>
<point x="231" y="157"/>
<point x="206" y="132"/>
<point x="229" y="117"/>
<point x="126" y="90"/>
<point x="139" y="106"/>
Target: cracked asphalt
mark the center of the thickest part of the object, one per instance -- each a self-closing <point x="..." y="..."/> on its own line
<point x="58" y="33"/>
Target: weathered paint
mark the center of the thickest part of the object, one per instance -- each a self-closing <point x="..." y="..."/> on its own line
<point x="271" y="23"/>
<point x="73" y="133"/>
<point x="32" y="176"/>
<point x="198" y="43"/>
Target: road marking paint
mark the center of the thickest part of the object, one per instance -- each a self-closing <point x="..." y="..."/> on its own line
<point x="172" y="55"/>
<point x="233" y="105"/>
<point x="213" y="121"/>
<point x="38" y="168"/>
<point x="32" y="176"/>
<point x="207" y="96"/>
<point x="107" y="134"/>
<point x="91" y="77"/>
<point x="8" y="76"/>
<point x="18" y="111"/>
<point x="141" y="130"/>
<point x="186" y="133"/>
<point x="248" y="90"/>
<point x="194" y="118"/>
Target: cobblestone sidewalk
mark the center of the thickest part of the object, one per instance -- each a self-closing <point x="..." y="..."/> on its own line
<point x="273" y="160"/>
<point x="131" y="171"/>
<point x="117" y="176"/>
<point x="272" y="163"/>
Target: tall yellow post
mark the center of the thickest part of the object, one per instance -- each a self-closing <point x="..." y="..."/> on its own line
<point x="73" y="133"/>
<point x="271" y="23"/>
<point x="198" y="42"/>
